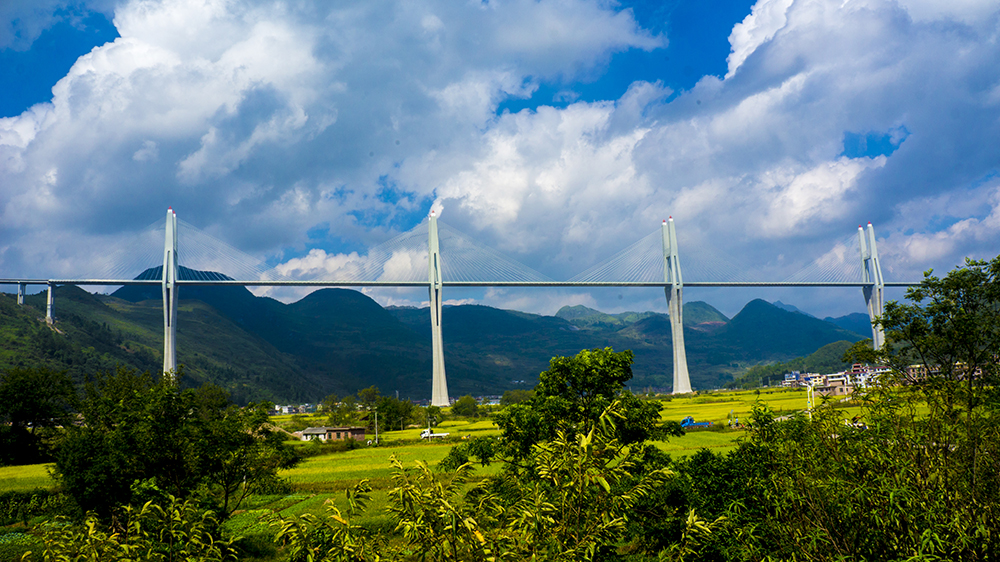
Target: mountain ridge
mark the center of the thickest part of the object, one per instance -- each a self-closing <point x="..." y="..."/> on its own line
<point x="340" y="340"/>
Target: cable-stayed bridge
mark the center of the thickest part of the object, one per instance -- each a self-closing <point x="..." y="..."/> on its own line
<point x="435" y="255"/>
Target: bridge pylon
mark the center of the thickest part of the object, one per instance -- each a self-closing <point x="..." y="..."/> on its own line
<point x="675" y="306"/>
<point x="20" y="293"/>
<point x="49" y="302"/>
<point x="169" y="285"/>
<point x="439" y="384"/>
<point x="871" y="275"/>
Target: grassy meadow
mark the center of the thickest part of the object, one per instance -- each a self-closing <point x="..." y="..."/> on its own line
<point x="334" y="472"/>
<point x="320" y="480"/>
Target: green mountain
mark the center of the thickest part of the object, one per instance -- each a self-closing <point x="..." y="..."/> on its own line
<point x="764" y="331"/>
<point x="338" y="340"/>
<point x="696" y="312"/>
<point x="824" y="360"/>
<point x="856" y="322"/>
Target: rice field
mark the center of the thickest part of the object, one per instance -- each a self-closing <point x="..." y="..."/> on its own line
<point x="26" y="477"/>
<point x="330" y="474"/>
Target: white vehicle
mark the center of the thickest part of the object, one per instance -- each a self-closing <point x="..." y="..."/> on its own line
<point x="428" y="434"/>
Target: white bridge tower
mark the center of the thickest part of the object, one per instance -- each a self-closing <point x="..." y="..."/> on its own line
<point x="439" y="384"/>
<point x="871" y="274"/>
<point x="170" y="296"/>
<point x="675" y="306"/>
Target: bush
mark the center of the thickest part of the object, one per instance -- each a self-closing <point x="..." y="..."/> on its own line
<point x="22" y="507"/>
<point x="14" y="544"/>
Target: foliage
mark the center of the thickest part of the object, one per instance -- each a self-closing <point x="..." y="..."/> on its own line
<point x="334" y="537"/>
<point x="394" y="413"/>
<point x="15" y="544"/>
<point x="466" y="406"/>
<point x="33" y="402"/>
<point x="514" y="396"/>
<point x="576" y="507"/>
<point x="369" y="397"/>
<point x="24" y="506"/>
<point x="174" y="531"/>
<point x="920" y="480"/>
<point x="183" y="441"/>
<point x="572" y="394"/>
<point x="482" y="449"/>
<point x="239" y="452"/>
<point x="341" y="412"/>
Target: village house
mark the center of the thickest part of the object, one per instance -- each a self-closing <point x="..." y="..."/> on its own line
<point x="324" y="433"/>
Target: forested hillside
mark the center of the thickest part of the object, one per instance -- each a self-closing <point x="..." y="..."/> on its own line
<point x="339" y="340"/>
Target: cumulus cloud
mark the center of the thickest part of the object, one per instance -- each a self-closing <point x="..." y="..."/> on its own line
<point x="264" y="122"/>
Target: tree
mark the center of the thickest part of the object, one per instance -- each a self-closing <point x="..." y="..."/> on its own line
<point x="32" y="403"/>
<point x="572" y="394"/>
<point x="394" y="413"/>
<point x="341" y="412"/>
<point x="516" y="395"/>
<point x="239" y="451"/>
<point x="466" y="406"/>
<point x="136" y="429"/>
<point x="368" y="397"/>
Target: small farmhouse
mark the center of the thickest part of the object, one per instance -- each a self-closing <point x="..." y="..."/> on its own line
<point x="333" y="433"/>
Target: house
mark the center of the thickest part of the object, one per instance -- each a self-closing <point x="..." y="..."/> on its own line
<point x="324" y="433"/>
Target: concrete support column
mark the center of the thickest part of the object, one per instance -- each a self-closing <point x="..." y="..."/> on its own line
<point x="20" y="294"/>
<point x="170" y="295"/>
<point x="439" y="383"/>
<point x="871" y="275"/>
<point x="675" y="306"/>
<point x="49" y="319"/>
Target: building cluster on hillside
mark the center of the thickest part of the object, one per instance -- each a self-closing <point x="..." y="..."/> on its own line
<point x="290" y="409"/>
<point x="836" y="384"/>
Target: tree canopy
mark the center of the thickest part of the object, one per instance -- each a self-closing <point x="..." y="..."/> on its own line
<point x="572" y="394"/>
<point x="136" y="429"/>
<point x="32" y="403"/>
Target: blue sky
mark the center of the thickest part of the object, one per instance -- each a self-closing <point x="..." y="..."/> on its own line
<point x="556" y="131"/>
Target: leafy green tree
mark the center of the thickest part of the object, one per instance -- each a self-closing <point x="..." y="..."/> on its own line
<point x="137" y="429"/>
<point x="33" y="402"/>
<point x="343" y="412"/>
<point x="572" y="394"/>
<point x="514" y="396"/>
<point x="330" y="403"/>
<point x="394" y="413"/>
<point x="369" y="397"/>
<point x="466" y="406"/>
<point x="238" y="452"/>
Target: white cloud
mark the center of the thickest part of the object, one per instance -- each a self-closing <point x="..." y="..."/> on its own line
<point x="766" y="18"/>
<point x="262" y="120"/>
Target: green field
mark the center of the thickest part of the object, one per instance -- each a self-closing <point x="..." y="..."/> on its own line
<point x="334" y="472"/>
<point x="25" y="478"/>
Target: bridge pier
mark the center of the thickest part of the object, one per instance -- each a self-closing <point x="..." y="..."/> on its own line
<point x="439" y="383"/>
<point x="675" y="306"/>
<point x="871" y="275"/>
<point x="169" y="285"/>
<point x="49" y="301"/>
<point x="20" y="293"/>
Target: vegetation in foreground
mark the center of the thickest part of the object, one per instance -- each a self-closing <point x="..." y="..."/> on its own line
<point x="576" y="475"/>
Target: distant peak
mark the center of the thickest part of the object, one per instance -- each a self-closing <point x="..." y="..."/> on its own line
<point x="576" y="311"/>
<point x="791" y="308"/>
